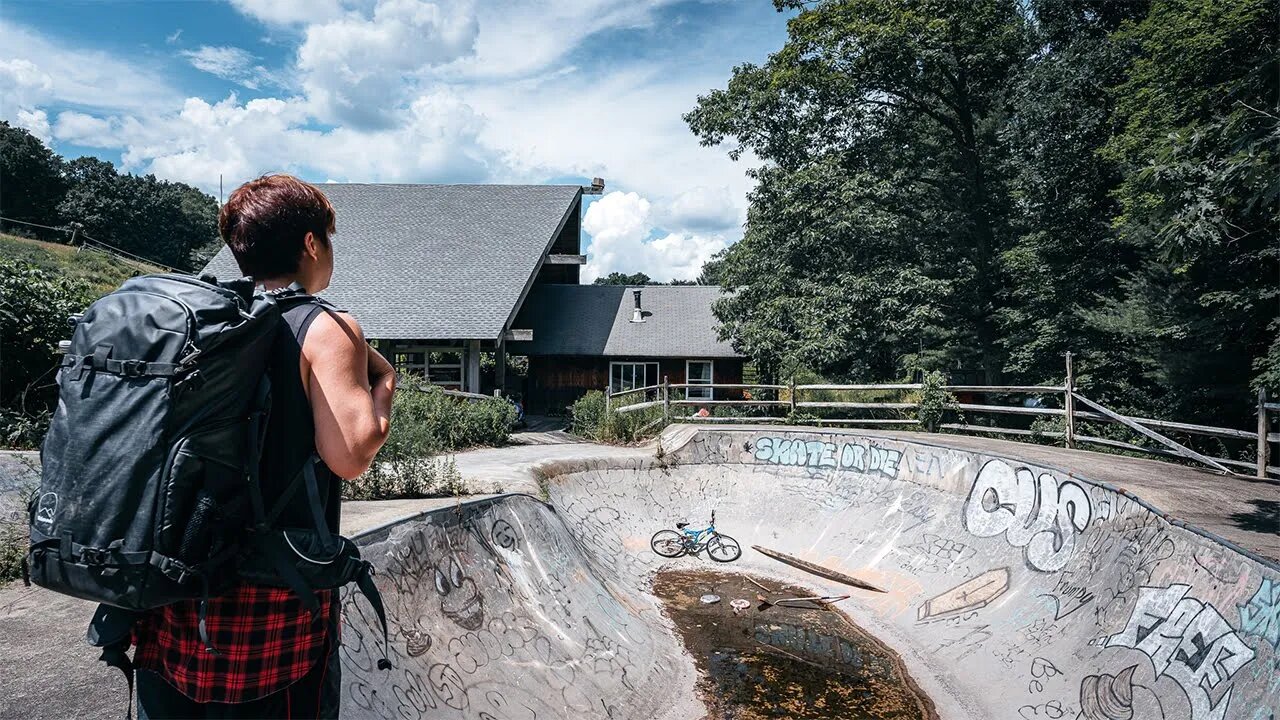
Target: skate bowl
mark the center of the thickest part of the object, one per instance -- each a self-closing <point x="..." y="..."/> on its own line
<point x="1008" y="589"/>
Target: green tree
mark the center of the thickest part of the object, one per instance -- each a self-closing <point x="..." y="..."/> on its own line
<point x="156" y="219"/>
<point x="617" y="278"/>
<point x="1198" y="150"/>
<point x="31" y="182"/>
<point x="1067" y="254"/>
<point x="875" y="231"/>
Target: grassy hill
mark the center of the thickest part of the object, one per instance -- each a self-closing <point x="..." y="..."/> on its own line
<point x="100" y="270"/>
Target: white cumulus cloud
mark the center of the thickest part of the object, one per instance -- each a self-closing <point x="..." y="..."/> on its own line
<point x="36" y="122"/>
<point x="359" y="70"/>
<point x="620" y="227"/>
<point x="288" y="12"/>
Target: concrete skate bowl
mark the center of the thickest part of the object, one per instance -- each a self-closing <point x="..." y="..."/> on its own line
<point x="1010" y="590"/>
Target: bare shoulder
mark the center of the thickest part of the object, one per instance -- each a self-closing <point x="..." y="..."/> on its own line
<point x="332" y="334"/>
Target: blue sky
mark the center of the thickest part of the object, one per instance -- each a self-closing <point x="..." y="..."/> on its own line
<point x="407" y="91"/>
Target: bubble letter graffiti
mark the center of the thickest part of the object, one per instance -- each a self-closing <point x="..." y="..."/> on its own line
<point x="1041" y="515"/>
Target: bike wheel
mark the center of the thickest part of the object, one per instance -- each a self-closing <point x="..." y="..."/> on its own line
<point x="667" y="543"/>
<point x="723" y="548"/>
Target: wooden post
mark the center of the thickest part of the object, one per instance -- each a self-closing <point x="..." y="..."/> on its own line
<point x="607" y="400"/>
<point x="500" y="369"/>
<point x="793" y="394"/>
<point x="666" y="400"/>
<point x="1263" y="447"/>
<point x="1069" y="404"/>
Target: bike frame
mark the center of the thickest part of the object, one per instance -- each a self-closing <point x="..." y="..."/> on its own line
<point x="697" y="537"/>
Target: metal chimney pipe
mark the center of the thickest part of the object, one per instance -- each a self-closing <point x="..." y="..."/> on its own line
<point x="637" y="315"/>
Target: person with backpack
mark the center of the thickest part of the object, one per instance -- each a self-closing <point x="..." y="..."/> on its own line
<point x="192" y="473"/>
<point x="331" y="396"/>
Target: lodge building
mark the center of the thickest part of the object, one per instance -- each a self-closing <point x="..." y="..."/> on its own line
<point x="445" y="277"/>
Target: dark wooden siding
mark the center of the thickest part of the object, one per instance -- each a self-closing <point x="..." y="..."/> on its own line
<point x="555" y="382"/>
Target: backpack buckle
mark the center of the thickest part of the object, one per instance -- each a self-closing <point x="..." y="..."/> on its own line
<point x="133" y="368"/>
<point x="93" y="556"/>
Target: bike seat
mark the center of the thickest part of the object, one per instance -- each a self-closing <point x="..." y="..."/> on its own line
<point x="682" y="526"/>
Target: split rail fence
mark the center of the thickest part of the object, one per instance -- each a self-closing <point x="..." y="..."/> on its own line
<point x="788" y="400"/>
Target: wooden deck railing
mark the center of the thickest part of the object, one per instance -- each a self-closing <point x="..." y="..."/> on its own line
<point x="787" y="400"/>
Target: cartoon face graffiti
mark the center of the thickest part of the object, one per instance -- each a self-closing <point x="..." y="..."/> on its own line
<point x="460" y="601"/>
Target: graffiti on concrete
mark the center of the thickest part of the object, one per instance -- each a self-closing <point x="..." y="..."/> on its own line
<point x="799" y="452"/>
<point x="1108" y="697"/>
<point x="1040" y="514"/>
<point x="934" y="553"/>
<point x="1068" y="596"/>
<point x="1187" y="641"/>
<point x="972" y="594"/>
<point x="1261" y="615"/>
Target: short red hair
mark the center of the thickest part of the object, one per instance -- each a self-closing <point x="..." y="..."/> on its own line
<point x="265" y="223"/>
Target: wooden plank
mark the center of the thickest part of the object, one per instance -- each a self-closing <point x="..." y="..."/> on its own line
<point x="1177" y="447"/>
<point x="999" y="431"/>
<point x="637" y="406"/>
<point x="1246" y="465"/>
<point x="1263" y="449"/>
<point x="857" y="405"/>
<point x="1010" y="410"/>
<point x="464" y="394"/>
<point x="1126" y="446"/>
<point x="563" y="259"/>
<point x="866" y="421"/>
<point x="730" y="386"/>
<point x="890" y="386"/>
<point x="729" y="402"/>
<point x="1041" y="389"/>
<point x="1194" y="429"/>
<point x="519" y="335"/>
<point x="820" y="571"/>
<point x="1069" y="405"/>
<point x="698" y="419"/>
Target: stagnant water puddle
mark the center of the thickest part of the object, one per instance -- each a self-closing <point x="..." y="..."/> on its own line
<point x="784" y="662"/>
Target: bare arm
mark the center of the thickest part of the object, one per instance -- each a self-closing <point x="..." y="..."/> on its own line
<point x="350" y="388"/>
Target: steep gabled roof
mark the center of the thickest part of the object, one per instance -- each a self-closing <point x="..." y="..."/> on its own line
<point x="596" y="320"/>
<point x="436" y="261"/>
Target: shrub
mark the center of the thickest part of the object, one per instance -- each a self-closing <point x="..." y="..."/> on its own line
<point x="426" y="417"/>
<point x="588" y="419"/>
<point x="934" y="400"/>
<point x="587" y="415"/>
<point x="425" y="423"/>
<point x="36" y="304"/>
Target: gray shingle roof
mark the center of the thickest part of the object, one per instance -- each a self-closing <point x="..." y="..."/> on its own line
<point x="435" y="261"/>
<point x="596" y="320"/>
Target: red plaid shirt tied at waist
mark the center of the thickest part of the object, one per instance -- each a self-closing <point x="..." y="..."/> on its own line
<point x="265" y="639"/>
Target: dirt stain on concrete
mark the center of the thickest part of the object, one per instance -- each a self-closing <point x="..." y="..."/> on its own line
<point x="784" y="662"/>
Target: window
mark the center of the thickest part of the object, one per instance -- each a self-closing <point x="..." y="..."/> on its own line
<point x="439" y="366"/>
<point x="631" y="375"/>
<point x="700" y="372"/>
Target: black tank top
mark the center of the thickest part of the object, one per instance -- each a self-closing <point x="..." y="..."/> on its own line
<point x="291" y="431"/>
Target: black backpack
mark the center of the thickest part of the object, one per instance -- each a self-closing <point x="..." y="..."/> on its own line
<point x="150" y="492"/>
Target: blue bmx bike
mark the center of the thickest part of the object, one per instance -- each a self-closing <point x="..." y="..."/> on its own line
<point x="683" y="541"/>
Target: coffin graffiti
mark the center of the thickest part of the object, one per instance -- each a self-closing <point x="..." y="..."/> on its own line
<point x="1187" y="641"/>
<point x="1040" y="514"/>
